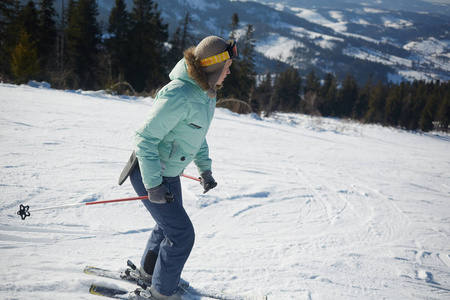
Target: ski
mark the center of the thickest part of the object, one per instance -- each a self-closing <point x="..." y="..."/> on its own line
<point x="109" y="274"/>
<point x="141" y="293"/>
<point x="221" y="295"/>
<point x="109" y="292"/>
<point x="138" y="294"/>
<point x="131" y="275"/>
<point x="188" y="293"/>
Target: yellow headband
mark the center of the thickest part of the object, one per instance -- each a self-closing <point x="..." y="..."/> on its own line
<point x="209" y="61"/>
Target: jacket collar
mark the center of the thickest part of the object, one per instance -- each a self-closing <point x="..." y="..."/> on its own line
<point x="181" y="72"/>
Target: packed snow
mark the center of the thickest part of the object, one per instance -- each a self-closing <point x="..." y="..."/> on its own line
<point x="377" y="56"/>
<point x="278" y="47"/>
<point x="396" y="22"/>
<point x="429" y="47"/>
<point x="305" y="208"/>
<point x="315" y="17"/>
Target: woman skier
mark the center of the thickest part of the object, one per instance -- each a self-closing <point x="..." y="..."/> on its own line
<point x="172" y="136"/>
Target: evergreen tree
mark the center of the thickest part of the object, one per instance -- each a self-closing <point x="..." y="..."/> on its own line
<point x="47" y="35"/>
<point x="418" y="104"/>
<point x="7" y="16"/>
<point x="311" y="98"/>
<point x="247" y="64"/>
<point x="331" y="97"/>
<point x="328" y="96"/>
<point x="117" y="43"/>
<point x="312" y="83"/>
<point x="28" y="21"/>
<point x="362" y="103"/>
<point x="24" y="62"/>
<point x="176" y="50"/>
<point x="7" y="13"/>
<point x="234" y="26"/>
<point x="287" y="90"/>
<point x="393" y="107"/>
<point x="443" y="114"/>
<point x="8" y="38"/>
<point x="264" y="95"/>
<point x="428" y="115"/>
<point x="240" y="84"/>
<point x="347" y="96"/>
<point x="186" y="38"/>
<point x="407" y="107"/>
<point x="328" y="82"/>
<point x="83" y="39"/>
<point x="58" y="75"/>
<point x="180" y="41"/>
<point x="25" y="25"/>
<point x="147" y="68"/>
<point x="73" y="41"/>
<point x="377" y="100"/>
<point x="71" y="10"/>
<point x="231" y="88"/>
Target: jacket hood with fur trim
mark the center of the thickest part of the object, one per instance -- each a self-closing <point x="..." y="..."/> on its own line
<point x="194" y="69"/>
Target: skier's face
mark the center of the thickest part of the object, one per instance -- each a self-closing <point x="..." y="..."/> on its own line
<point x="225" y="72"/>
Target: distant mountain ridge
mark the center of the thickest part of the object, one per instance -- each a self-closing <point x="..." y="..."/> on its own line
<point x="392" y="41"/>
<point x="430" y="6"/>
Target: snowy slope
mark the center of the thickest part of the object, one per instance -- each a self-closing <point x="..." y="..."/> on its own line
<point x="305" y="208"/>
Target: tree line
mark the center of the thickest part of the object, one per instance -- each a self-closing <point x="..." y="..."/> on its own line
<point x="133" y="52"/>
<point x="71" y="50"/>
<point x="417" y="105"/>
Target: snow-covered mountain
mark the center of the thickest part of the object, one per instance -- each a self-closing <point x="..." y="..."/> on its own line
<point x="392" y="40"/>
<point x="404" y="39"/>
<point x="428" y="6"/>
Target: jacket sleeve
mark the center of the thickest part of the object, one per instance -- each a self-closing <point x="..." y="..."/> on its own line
<point x="167" y="111"/>
<point x="202" y="160"/>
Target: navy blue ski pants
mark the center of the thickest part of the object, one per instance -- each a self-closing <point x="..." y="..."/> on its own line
<point x="172" y="238"/>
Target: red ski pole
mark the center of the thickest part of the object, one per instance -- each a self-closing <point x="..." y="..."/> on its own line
<point x="191" y="177"/>
<point x="24" y="209"/>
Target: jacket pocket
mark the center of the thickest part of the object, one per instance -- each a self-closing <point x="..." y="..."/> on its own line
<point x="175" y="149"/>
<point x="179" y="155"/>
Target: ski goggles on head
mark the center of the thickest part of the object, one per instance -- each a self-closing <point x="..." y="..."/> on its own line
<point x="232" y="49"/>
<point x="230" y="53"/>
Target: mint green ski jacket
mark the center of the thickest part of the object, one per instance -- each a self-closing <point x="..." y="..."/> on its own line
<point x="174" y="133"/>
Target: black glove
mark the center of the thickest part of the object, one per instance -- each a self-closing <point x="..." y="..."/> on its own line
<point x="160" y="195"/>
<point x="207" y="181"/>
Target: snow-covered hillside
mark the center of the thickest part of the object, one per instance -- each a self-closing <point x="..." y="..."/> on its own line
<point x="368" y="33"/>
<point x="305" y="208"/>
<point x="389" y="40"/>
<point x="393" y="41"/>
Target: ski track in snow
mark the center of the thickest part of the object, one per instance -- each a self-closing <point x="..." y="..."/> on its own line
<point x="305" y="208"/>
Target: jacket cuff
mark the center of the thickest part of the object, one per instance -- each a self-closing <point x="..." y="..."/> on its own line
<point x="153" y="183"/>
